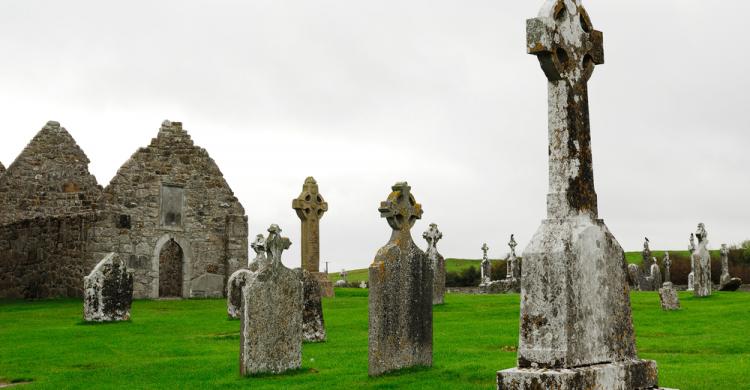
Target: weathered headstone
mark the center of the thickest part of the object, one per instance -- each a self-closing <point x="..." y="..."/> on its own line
<point x="432" y="236"/>
<point x="691" y="275"/>
<point x="513" y="270"/>
<point x="668" y="297"/>
<point x="667" y="268"/>
<point x="702" y="263"/>
<point x="727" y="283"/>
<point x="272" y="307"/>
<point x="108" y="291"/>
<point x="646" y="254"/>
<point x="313" y="325"/>
<point x="576" y="327"/>
<point x="310" y="208"/>
<point x="486" y="267"/>
<point x="400" y="301"/>
<point x="655" y="275"/>
<point x="238" y="280"/>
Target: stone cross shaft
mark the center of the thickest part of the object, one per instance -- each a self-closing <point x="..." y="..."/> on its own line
<point x="401" y="210"/>
<point x="276" y="245"/>
<point x="568" y="48"/>
<point x="310" y="208"/>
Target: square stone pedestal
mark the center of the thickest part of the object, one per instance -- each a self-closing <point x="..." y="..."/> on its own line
<point x="625" y="375"/>
<point x="326" y="286"/>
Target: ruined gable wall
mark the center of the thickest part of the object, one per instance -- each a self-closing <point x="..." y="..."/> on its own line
<point x="49" y="178"/>
<point x="2" y="169"/>
<point x="213" y="227"/>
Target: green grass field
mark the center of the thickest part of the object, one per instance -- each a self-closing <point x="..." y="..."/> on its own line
<point x="191" y="344"/>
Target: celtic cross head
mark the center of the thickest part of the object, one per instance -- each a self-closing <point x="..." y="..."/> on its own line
<point x="276" y="244"/>
<point x="564" y="40"/>
<point x="401" y="210"/>
<point x="310" y="204"/>
<point x="432" y="235"/>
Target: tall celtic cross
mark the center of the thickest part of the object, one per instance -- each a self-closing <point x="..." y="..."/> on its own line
<point x="401" y="211"/>
<point x="568" y="48"/>
<point x="485" y="248"/>
<point x="310" y="208"/>
<point x="432" y="235"/>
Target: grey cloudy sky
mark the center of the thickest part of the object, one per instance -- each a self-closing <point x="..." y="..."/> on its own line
<point x="361" y="94"/>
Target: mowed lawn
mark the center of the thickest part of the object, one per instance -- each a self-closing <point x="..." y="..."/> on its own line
<point x="191" y="344"/>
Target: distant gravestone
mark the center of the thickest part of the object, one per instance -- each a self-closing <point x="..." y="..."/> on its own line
<point x="272" y="307"/>
<point x="691" y="276"/>
<point x="310" y="208"/>
<point x="702" y="263"/>
<point x="668" y="297"/>
<point x="726" y="282"/>
<point x="513" y="271"/>
<point x="486" y="267"/>
<point x="646" y="254"/>
<point x="313" y="325"/>
<point x="667" y="268"/>
<point x="576" y="328"/>
<point x="432" y="236"/>
<point x="655" y="275"/>
<point x="238" y="280"/>
<point x="400" y="299"/>
<point x="108" y="291"/>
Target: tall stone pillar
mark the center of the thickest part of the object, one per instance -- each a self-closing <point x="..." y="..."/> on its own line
<point x="310" y="208"/>
<point x="576" y="330"/>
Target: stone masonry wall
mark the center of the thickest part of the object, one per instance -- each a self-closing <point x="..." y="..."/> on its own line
<point x="173" y="190"/>
<point x="49" y="178"/>
<point x="45" y="257"/>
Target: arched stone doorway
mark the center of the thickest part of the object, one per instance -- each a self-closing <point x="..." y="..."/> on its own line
<point x="171" y="261"/>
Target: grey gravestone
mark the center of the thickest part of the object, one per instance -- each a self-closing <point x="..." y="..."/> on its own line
<point x="313" y="325"/>
<point x="655" y="275"/>
<point x="668" y="297"/>
<point x="576" y="327"/>
<point x="702" y="264"/>
<point x="667" y="268"/>
<point x="310" y="208"/>
<point x="239" y="278"/>
<point x="727" y="283"/>
<point x="486" y="267"/>
<point x="271" y="321"/>
<point x="108" y="291"/>
<point x="646" y="254"/>
<point x="691" y="276"/>
<point x="433" y="235"/>
<point x="400" y="301"/>
<point x="513" y="269"/>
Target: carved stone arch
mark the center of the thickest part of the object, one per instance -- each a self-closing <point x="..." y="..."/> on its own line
<point x="186" y="262"/>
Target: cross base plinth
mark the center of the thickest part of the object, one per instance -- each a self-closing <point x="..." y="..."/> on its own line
<point x="625" y="375"/>
<point x="326" y="286"/>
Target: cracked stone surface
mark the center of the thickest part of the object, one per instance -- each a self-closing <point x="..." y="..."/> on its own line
<point x="432" y="236"/>
<point x="108" y="291"/>
<point x="271" y="320"/>
<point x="400" y="301"/>
<point x="576" y="327"/>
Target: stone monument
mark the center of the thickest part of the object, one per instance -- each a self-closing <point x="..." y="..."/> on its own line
<point x="727" y="283"/>
<point x="655" y="275"/>
<point x="576" y="327"/>
<point x="432" y="236"/>
<point x="310" y="208"/>
<point x="667" y="267"/>
<point x="313" y="324"/>
<point x="486" y="267"/>
<point x="668" y="297"/>
<point x="400" y="301"/>
<point x="702" y="264"/>
<point x="646" y="254"/>
<point x="239" y="278"/>
<point x="513" y="271"/>
<point x="272" y="307"/>
<point x="108" y="291"/>
<point x="691" y="275"/>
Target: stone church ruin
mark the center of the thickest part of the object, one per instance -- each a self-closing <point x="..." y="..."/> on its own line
<point x="168" y="212"/>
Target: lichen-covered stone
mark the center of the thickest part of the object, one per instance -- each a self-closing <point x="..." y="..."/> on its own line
<point x="485" y="269"/>
<point x="432" y="236"/>
<point x="726" y="282"/>
<point x="108" y="291"/>
<point x="668" y="297"/>
<point x="400" y="299"/>
<point x="702" y="264"/>
<point x="49" y="178"/>
<point x="313" y="324"/>
<point x="667" y="268"/>
<point x="239" y="278"/>
<point x="310" y="208"/>
<point x="2" y="168"/>
<point x="576" y="327"/>
<point x="272" y="307"/>
<point x="691" y="276"/>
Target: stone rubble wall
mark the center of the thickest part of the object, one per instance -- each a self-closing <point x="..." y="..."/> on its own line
<point x="49" y="178"/>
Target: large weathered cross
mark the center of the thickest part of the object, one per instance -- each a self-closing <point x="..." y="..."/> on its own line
<point x="276" y="244"/>
<point x="310" y="208"/>
<point x="401" y="210"/>
<point x="432" y="235"/>
<point x="568" y="48"/>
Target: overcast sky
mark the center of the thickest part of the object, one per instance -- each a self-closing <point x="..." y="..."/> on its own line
<point x="362" y="94"/>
